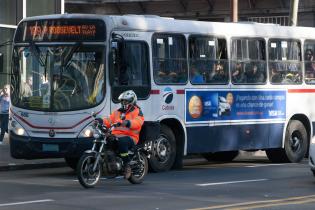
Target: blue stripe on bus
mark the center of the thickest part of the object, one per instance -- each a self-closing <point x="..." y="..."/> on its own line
<point x="237" y="137"/>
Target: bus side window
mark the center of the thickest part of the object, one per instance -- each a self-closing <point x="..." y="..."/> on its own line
<point x="285" y="61"/>
<point x="309" y="62"/>
<point x="169" y="58"/>
<point x="248" y="61"/>
<point x="207" y="60"/>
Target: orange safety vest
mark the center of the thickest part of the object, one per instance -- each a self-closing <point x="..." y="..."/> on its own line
<point x="135" y="118"/>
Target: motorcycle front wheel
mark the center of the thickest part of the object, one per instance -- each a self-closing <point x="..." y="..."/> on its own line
<point x="87" y="176"/>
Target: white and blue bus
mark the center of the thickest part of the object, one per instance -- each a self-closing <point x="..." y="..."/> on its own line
<point x="214" y="88"/>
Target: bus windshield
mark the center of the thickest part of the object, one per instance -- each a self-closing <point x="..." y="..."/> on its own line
<point x="58" y="77"/>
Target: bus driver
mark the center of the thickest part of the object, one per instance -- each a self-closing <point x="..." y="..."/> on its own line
<point x="130" y="120"/>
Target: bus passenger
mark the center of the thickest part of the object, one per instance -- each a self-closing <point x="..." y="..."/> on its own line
<point x="238" y="74"/>
<point x="219" y="74"/>
<point x="275" y="76"/>
<point x="196" y="77"/>
<point x="27" y="87"/>
<point x="130" y="120"/>
<point x="310" y="71"/>
<point x="253" y="75"/>
<point x="309" y="56"/>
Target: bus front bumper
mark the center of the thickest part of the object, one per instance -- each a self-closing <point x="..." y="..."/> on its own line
<point x="22" y="147"/>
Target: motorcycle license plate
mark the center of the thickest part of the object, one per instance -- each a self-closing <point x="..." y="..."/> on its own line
<point x="50" y="148"/>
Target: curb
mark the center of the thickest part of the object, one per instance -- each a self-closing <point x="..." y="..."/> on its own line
<point x="28" y="166"/>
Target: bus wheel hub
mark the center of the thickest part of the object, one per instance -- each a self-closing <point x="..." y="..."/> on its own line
<point x="161" y="147"/>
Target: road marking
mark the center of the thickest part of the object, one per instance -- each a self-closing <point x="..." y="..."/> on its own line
<point x="311" y="200"/>
<point x="260" y="204"/>
<point x="26" y="202"/>
<point x="231" y="182"/>
<point x="264" y="165"/>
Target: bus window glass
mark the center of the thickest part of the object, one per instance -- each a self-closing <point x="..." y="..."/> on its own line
<point x="248" y="64"/>
<point x="134" y="72"/>
<point x="58" y="78"/>
<point x="285" y="61"/>
<point x="309" y="62"/>
<point x="169" y="59"/>
<point x="208" y="60"/>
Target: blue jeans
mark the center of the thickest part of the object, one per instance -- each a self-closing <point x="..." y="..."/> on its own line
<point x="125" y="143"/>
<point x="4" y="120"/>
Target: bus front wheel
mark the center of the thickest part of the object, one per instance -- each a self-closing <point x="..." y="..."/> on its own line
<point x="164" y="150"/>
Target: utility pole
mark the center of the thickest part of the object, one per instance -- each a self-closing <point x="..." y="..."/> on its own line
<point x="294" y="7"/>
<point x="234" y="10"/>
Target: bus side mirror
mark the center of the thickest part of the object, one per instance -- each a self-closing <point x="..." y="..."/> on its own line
<point x="114" y="51"/>
<point x="1" y="63"/>
<point x="117" y="56"/>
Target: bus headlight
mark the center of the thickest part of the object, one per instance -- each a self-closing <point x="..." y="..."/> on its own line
<point x="86" y="132"/>
<point x="16" y="128"/>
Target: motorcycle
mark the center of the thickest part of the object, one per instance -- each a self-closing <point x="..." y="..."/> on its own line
<point x="104" y="159"/>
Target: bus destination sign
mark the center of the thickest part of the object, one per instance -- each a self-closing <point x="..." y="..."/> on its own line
<point x="61" y="30"/>
<point x="82" y="30"/>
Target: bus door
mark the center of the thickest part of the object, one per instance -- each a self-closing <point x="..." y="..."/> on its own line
<point x="129" y="67"/>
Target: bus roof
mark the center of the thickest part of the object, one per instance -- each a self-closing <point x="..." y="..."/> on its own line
<point x="164" y="24"/>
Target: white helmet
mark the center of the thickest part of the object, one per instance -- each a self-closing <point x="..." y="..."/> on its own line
<point x="127" y="98"/>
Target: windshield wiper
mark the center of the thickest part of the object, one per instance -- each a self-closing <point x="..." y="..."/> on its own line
<point x="36" y="52"/>
<point x="67" y="55"/>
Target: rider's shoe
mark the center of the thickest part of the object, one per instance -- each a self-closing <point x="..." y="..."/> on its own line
<point x="127" y="172"/>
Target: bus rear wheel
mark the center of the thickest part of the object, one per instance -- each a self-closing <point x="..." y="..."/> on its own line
<point x="295" y="145"/>
<point x="295" y="141"/>
<point x="221" y="156"/>
<point x="164" y="151"/>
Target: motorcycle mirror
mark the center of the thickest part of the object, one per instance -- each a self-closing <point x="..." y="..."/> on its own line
<point x="93" y="114"/>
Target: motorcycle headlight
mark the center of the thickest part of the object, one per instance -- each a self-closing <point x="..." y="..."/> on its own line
<point x="17" y="128"/>
<point x="86" y="132"/>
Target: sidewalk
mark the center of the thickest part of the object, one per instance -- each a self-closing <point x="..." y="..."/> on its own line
<point x="9" y="163"/>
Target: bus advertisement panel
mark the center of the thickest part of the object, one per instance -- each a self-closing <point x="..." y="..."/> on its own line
<point x="209" y="105"/>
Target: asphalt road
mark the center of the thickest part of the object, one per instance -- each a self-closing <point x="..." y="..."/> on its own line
<point x="234" y="186"/>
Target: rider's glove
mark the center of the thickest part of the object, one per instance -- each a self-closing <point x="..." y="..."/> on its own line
<point x="126" y="123"/>
<point x="98" y="121"/>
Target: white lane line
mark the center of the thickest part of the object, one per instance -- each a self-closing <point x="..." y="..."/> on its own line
<point x="264" y="165"/>
<point x="26" y="202"/>
<point x="231" y="182"/>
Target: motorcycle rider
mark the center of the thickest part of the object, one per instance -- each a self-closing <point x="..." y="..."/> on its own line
<point x="129" y="119"/>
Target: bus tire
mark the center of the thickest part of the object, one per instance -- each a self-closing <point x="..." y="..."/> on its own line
<point x="295" y="145"/>
<point x="163" y="151"/>
<point x="221" y="156"/>
<point x="296" y="141"/>
<point x="72" y="162"/>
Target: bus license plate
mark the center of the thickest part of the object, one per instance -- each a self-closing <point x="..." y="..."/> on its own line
<point x="50" y="148"/>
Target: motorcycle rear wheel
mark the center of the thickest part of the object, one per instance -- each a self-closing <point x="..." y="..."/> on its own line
<point x="139" y="169"/>
<point x="87" y="177"/>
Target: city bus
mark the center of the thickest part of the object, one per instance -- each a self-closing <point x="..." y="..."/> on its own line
<point x="212" y="88"/>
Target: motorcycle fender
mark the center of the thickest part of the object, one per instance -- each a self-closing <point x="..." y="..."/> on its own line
<point x="90" y="152"/>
